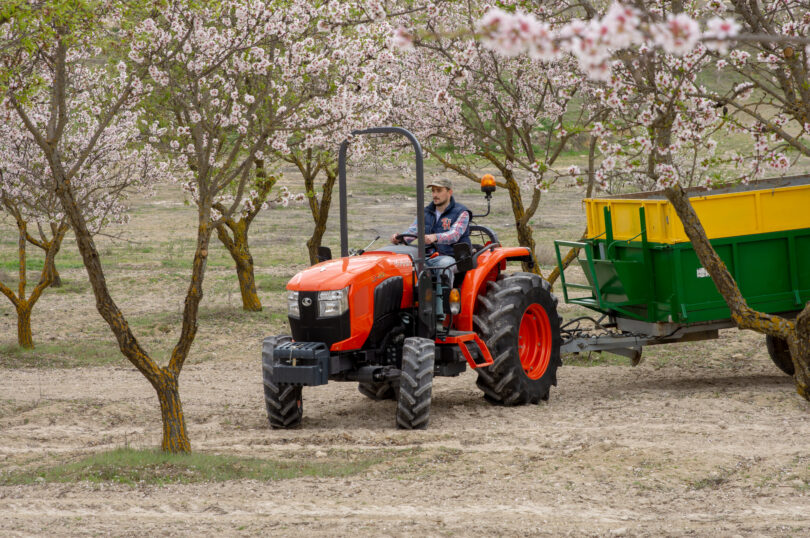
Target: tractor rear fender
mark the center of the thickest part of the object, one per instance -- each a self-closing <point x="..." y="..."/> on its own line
<point x="490" y="264"/>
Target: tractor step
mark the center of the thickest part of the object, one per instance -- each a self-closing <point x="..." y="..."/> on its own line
<point x="461" y="339"/>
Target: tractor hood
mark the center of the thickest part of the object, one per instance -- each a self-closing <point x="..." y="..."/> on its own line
<point x="381" y="282"/>
<point x="368" y="269"/>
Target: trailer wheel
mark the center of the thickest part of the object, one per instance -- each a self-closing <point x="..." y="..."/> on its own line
<point x="780" y="354"/>
<point x="383" y="390"/>
<point x="415" y="383"/>
<point x="518" y="320"/>
<point x="283" y="401"/>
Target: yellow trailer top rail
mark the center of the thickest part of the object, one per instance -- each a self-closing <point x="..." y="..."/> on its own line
<point x="770" y="205"/>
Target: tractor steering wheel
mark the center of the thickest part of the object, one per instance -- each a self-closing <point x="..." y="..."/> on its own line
<point x="401" y="237"/>
<point x="429" y="249"/>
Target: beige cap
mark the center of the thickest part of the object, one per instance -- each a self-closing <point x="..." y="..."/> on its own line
<point x="441" y="182"/>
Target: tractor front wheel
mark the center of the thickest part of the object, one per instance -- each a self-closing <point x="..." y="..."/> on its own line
<point x="283" y="401"/>
<point x="415" y="383"/>
<point x="780" y="354"/>
<point x="518" y="320"/>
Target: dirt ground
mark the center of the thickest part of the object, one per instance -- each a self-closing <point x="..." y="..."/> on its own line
<point x="653" y="451"/>
<point x="705" y="438"/>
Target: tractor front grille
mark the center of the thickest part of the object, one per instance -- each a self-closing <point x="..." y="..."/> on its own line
<point x="311" y="328"/>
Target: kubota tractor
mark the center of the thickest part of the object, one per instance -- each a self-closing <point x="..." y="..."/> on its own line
<point x="383" y="320"/>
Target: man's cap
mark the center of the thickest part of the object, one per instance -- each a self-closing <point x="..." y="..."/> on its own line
<point x="441" y="182"/>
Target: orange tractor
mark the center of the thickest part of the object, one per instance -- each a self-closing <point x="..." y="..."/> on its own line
<point x="385" y="321"/>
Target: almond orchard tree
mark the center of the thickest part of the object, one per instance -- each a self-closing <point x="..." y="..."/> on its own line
<point x="311" y="164"/>
<point x="223" y="50"/>
<point x="599" y="45"/>
<point x="518" y="113"/>
<point x="313" y="83"/>
<point x="772" y="102"/>
<point x="22" y="197"/>
<point x="114" y="170"/>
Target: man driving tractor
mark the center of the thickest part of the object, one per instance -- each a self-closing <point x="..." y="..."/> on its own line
<point x="446" y="222"/>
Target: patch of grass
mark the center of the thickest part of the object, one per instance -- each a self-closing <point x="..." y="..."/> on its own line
<point x="272" y="282"/>
<point x="151" y="467"/>
<point x="595" y="358"/>
<point x="72" y="354"/>
<point x="71" y="287"/>
<point x="36" y="264"/>
<point x="166" y="322"/>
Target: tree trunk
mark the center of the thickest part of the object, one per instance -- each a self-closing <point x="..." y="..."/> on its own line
<point x="56" y="279"/>
<point x="314" y="242"/>
<point x="240" y="252"/>
<point x="319" y="209"/>
<point x="524" y="231"/>
<point x="24" y="337"/>
<point x="175" y="436"/>
<point x="800" y="352"/>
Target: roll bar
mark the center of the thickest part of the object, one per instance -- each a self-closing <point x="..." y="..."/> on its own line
<point x="420" y="190"/>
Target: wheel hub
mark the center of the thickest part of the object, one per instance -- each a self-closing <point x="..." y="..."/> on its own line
<point x="534" y="341"/>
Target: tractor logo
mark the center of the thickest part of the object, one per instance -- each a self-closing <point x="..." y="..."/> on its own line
<point x="306" y="301"/>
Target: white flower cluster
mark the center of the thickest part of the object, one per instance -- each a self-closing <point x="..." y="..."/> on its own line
<point x="594" y="42"/>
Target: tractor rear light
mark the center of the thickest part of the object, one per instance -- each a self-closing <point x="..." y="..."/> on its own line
<point x="455" y="301"/>
<point x="333" y="302"/>
<point x="293" y="310"/>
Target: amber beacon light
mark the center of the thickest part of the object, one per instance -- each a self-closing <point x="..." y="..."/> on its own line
<point x="488" y="184"/>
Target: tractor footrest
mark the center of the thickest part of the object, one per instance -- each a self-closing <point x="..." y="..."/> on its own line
<point x="301" y="363"/>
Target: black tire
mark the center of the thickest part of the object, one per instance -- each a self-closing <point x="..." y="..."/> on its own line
<point x="415" y="383"/>
<point x="780" y="354"/>
<point x="497" y="320"/>
<point x="283" y="401"/>
<point x="383" y="390"/>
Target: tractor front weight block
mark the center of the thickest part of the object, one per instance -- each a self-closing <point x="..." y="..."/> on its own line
<point x="301" y="363"/>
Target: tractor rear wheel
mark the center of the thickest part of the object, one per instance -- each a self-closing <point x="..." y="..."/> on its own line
<point x="518" y="320"/>
<point x="780" y="354"/>
<point x="382" y="390"/>
<point x="415" y="383"/>
<point x="283" y="401"/>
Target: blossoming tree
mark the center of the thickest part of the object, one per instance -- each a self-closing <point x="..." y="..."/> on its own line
<point x="518" y="113"/>
<point x="598" y="41"/>
<point x="217" y="55"/>
<point x="114" y="170"/>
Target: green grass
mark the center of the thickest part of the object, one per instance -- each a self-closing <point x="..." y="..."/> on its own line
<point x="152" y="467"/>
<point x="166" y="322"/>
<point x="72" y="286"/>
<point x="73" y="354"/>
<point x="272" y="282"/>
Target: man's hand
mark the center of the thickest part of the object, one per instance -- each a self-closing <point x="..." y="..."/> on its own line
<point x="394" y="239"/>
<point x="430" y="239"/>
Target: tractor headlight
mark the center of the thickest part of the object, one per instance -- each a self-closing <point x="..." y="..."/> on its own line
<point x="292" y="305"/>
<point x="333" y="302"/>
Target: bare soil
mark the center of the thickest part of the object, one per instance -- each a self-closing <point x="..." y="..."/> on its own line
<point x="702" y="438"/>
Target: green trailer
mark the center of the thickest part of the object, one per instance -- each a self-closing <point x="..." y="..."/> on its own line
<point x="646" y="281"/>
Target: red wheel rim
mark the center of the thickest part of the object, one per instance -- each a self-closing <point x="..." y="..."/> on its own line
<point x="534" y="341"/>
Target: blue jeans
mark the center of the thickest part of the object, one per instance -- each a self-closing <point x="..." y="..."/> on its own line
<point x="441" y="263"/>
